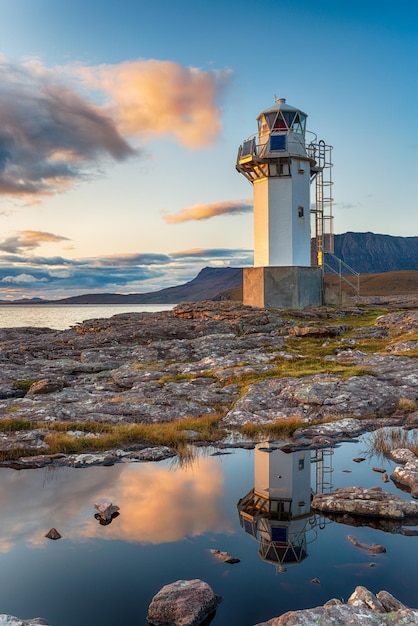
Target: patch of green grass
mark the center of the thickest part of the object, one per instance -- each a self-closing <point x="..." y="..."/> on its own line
<point x="178" y="378"/>
<point x="17" y="453"/>
<point x="281" y="428"/>
<point x="171" y="434"/>
<point x="384" y="440"/>
<point x="24" y="384"/>
<point x="13" y="425"/>
<point x="85" y="427"/>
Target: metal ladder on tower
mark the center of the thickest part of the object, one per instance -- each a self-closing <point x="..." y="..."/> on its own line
<point x="324" y="220"/>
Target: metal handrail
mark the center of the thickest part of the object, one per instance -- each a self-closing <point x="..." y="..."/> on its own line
<point x="339" y="273"/>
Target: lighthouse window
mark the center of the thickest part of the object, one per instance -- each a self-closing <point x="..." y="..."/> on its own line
<point x="299" y="123"/>
<point x="280" y="124"/>
<point x="288" y="118"/>
<point x="270" y="117"/>
<point x="277" y="142"/>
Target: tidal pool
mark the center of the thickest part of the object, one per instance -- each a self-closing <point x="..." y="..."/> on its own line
<point x="170" y="517"/>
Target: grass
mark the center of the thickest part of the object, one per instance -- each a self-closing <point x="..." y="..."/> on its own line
<point x="281" y="428"/>
<point x="14" y="425"/>
<point x="299" y="368"/>
<point x="407" y="405"/>
<point x="384" y="440"/>
<point x="24" y="384"/>
<point x="171" y="434"/>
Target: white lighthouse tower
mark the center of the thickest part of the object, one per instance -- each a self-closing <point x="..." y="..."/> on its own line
<point x="280" y="166"/>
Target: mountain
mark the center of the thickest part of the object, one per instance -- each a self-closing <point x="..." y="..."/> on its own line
<point x="368" y="253"/>
<point x="207" y="285"/>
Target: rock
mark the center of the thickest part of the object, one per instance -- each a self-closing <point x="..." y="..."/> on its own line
<point x="389" y="602"/>
<point x="319" y="331"/>
<point x="407" y="475"/>
<point x="106" y="512"/>
<point x="53" y="534"/>
<point x="365" y="502"/>
<point x="373" y="549"/>
<point x="10" y="620"/>
<point x="380" y="470"/>
<point x="363" y="608"/>
<point x="224" y="556"/>
<point x="45" y="385"/>
<point x="183" y="603"/>
<point x="191" y="362"/>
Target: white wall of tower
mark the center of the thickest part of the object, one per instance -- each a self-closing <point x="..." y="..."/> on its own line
<point x="281" y="234"/>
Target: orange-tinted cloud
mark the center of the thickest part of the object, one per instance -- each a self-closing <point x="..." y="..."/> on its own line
<point x="206" y="211"/>
<point x="153" y="98"/>
<point x="28" y="240"/>
<point x="157" y="505"/>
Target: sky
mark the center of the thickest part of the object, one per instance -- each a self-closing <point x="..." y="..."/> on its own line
<point x="120" y="123"/>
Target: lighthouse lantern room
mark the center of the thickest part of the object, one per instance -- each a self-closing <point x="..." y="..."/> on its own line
<point x="281" y="166"/>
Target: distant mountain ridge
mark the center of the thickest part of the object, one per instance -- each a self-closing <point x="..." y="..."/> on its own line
<point x="207" y="285"/>
<point x="366" y="253"/>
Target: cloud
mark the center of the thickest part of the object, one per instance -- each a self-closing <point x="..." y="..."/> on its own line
<point x="22" y="278"/>
<point x="194" y="497"/>
<point x="29" y="240"/>
<point x="154" y="98"/>
<point x="209" y="253"/>
<point x="50" y="136"/>
<point x="206" y="211"/>
<point x="59" y="277"/>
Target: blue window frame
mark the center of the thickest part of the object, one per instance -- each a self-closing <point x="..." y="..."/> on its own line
<point x="278" y="142"/>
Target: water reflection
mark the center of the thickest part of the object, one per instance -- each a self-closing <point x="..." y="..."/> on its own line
<point x="277" y="511"/>
<point x="157" y="503"/>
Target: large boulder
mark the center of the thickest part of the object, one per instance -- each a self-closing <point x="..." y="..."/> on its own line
<point x="182" y="603"/>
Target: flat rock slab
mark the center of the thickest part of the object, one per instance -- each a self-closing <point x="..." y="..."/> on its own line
<point x="365" y="502"/>
<point x="183" y="603"/>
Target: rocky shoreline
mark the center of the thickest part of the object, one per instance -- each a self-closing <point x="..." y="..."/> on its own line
<point x="206" y="359"/>
<point x="337" y="373"/>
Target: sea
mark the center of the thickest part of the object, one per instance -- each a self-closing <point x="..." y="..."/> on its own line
<point x="61" y="317"/>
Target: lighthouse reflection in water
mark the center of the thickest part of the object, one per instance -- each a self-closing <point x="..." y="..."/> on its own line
<point x="277" y="511"/>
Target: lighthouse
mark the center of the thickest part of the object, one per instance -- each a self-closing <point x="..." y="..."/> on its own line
<point x="280" y="167"/>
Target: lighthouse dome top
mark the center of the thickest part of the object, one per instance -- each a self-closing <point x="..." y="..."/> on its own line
<point x="282" y="117"/>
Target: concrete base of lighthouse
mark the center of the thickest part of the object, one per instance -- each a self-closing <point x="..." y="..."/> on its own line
<point x="282" y="287"/>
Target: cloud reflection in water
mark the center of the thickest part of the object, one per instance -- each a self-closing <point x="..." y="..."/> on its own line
<point x="157" y="504"/>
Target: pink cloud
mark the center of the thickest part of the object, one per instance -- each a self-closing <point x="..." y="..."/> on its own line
<point x="202" y="211"/>
<point x="154" y="98"/>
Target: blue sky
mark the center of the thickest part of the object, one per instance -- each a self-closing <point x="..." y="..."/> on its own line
<point x="120" y="123"/>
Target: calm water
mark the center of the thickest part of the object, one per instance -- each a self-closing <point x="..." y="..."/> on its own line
<point x="64" y="316"/>
<point x="170" y="517"/>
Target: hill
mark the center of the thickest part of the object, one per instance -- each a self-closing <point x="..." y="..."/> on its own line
<point x="205" y="286"/>
<point x="369" y="253"/>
